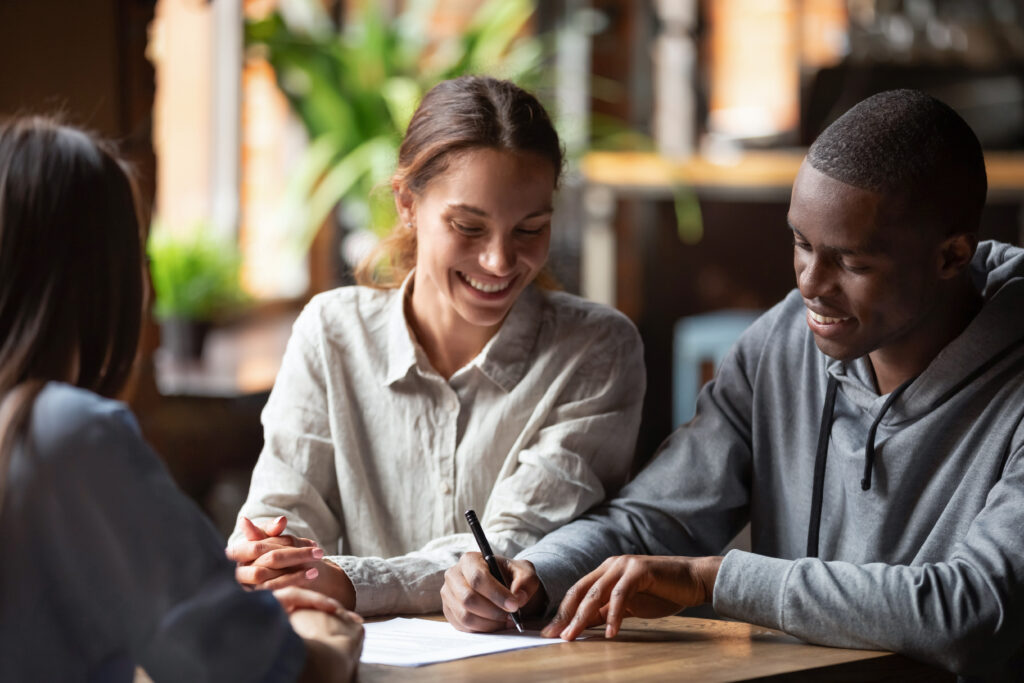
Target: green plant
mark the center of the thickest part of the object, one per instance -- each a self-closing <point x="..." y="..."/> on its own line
<point x="194" y="276"/>
<point x="356" y="89"/>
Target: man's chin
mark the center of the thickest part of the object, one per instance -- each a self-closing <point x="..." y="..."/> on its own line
<point x="837" y="351"/>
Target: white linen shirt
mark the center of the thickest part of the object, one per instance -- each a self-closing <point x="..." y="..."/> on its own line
<point x="375" y="456"/>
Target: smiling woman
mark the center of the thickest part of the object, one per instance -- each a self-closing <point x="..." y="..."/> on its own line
<point x="451" y="378"/>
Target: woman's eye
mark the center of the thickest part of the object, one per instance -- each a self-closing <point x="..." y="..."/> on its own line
<point x="465" y="229"/>
<point x="530" y="231"/>
<point x="801" y="245"/>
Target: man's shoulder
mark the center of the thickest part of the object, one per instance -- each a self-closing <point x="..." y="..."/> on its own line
<point x="781" y="329"/>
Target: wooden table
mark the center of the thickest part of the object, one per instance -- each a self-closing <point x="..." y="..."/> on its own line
<point x="671" y="649"/>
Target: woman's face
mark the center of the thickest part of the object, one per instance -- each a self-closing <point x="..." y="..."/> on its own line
<point x="482" y="228"/>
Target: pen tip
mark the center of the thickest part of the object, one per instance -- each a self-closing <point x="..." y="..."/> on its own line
<point x="519" y="627"/>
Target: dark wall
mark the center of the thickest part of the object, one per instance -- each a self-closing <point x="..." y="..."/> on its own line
<point x="84" y="59"/>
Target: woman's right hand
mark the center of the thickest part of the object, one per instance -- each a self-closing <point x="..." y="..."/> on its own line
<point x="475" y="601"/>
<point x="333" y="643"/>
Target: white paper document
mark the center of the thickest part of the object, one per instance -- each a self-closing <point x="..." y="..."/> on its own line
<point x="415" y="642"/>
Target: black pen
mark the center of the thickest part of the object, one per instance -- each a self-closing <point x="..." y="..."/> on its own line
<point x="492" y="564"/>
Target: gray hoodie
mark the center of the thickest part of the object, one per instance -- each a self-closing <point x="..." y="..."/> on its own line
<point x="928" y="560"/>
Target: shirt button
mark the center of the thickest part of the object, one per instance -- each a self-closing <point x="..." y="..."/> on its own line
<point x="446" y="488"/>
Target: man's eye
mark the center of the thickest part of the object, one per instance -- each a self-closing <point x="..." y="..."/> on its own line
<point x="855" y="269"/>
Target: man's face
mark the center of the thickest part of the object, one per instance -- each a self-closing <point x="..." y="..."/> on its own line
<point x="869" y="285"/>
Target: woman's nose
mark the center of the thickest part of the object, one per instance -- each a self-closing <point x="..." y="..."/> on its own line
<point x="499" y="257"/>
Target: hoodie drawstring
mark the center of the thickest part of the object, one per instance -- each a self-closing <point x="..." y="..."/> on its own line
<point x="825" y="431"/>
<point x="869" y="447"/>
<point x="819" y="467"/>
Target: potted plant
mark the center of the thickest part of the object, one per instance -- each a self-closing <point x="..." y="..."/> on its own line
<point x="195" y="280"/>
<point x="356" y="87"/>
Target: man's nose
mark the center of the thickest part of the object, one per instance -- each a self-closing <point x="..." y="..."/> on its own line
<point x="814" y="277"/>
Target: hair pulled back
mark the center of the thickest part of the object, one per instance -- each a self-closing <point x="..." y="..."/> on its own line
<point x="470" y="112"/>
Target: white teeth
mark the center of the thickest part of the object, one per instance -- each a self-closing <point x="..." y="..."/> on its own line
<point x="483" y="286"/>
<point x="824" y="319"/>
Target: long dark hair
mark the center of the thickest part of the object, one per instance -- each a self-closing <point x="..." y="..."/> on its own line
<point x="470" y="112"/>
<point x="71" y="258"/>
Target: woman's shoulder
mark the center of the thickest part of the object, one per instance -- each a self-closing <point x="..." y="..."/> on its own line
<point x="339" y="307"/>
<point x="65" y="420"/>
<point x="575" y="315"/>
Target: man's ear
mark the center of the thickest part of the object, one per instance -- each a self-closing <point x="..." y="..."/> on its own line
<point x="955" y="254"/>
<point x="405" y="203"/>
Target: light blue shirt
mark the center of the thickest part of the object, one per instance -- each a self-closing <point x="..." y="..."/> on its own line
<point x="106" y="564"/>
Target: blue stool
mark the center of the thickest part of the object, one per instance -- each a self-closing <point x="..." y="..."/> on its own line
<point x="701" y="339"/>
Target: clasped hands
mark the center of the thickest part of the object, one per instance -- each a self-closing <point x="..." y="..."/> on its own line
<point x="270" y="559"/>
<point x="623" y="586"/>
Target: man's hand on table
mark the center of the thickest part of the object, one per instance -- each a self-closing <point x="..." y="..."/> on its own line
<point x="624" y="586"/>
<point x="270" y="559"/>
<point x="646" y="586"/>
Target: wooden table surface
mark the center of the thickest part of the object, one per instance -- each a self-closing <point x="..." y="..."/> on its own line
<point x="671" y="649"/>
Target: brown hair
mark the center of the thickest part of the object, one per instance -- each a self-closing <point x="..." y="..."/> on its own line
<point x="71" y="258"/>
<point x="457" y="115"/>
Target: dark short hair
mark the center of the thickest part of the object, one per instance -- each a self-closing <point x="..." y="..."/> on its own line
<point x="913" y="149"/>
<point x="457" y="115"/>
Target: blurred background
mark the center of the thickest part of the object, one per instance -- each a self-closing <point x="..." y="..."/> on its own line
<point x="263" y="133"/>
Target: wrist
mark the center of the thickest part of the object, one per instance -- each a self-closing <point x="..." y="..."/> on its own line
<point x="706" y="574"/>
<point x="338" y="585"/>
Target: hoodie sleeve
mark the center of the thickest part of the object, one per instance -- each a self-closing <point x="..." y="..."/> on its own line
<point x="686" y="501"/>
<point x="966" y="614"/>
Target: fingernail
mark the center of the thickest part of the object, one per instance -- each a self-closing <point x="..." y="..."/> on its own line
<point x="564" y="634"/>
<point x="312" y="573"/>
<point x="279" y="519"/>
<point x="608" y="631"/>
<point x="318" y="553"/>
<point x="511" y="605"/>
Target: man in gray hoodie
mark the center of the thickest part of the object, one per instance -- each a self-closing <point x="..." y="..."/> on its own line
<point x="870" y="427"/>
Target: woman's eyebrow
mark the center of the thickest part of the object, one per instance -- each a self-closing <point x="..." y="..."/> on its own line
<point x="469" y="208"/>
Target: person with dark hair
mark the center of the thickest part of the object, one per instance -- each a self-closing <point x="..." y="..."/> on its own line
<point x="452" y="377"/>
<point x="106" y="564"/>
<point x="870" y="427"/>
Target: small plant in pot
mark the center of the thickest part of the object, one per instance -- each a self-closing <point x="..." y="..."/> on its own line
<point x="195" y="282"/>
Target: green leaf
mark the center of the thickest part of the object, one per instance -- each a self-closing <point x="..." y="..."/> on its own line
<point x="194" y="276"/>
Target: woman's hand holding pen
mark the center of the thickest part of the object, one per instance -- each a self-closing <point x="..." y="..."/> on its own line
<point x="473" y="600"/>
<point x="270" y="559"/>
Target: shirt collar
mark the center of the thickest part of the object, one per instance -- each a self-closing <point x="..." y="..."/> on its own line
<point x="504" y="359"/>
<point x="402" y="346"/>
